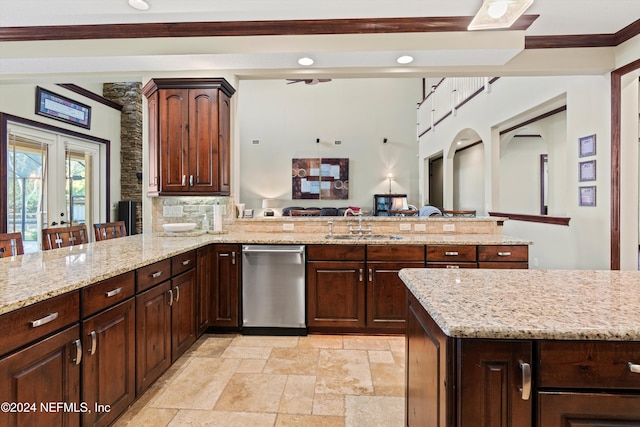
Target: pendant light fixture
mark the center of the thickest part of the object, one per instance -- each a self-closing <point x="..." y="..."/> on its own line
<point x="495" y="14"/>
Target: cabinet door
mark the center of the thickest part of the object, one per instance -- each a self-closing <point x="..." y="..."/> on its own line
<point x="224" y="143"/>
<point x="183" y="313"/>
<point x="203" y="293"/>
<point x="225" y="300"/>
<point x="173" y="110"/>
<point x="428" y="401"/>
<point x="387" y="294"/>
<point x="490" y="383"/>
<point x="46" y="372"/>
<point x="153" y="184"/>
<point x="203" y="140"/>
<point x="108" y="367"/>
<point x="558" y="409"/>
<point x="153" y="335"/>
<point x="335" y="294"/>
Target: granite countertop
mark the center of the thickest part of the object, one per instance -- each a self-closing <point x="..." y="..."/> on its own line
<point x="27" y="279"/>
<point x="530" y="304"/>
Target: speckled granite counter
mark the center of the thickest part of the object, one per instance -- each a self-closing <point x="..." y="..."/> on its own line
<point x="530" y="304"/>
<point x="35" y="277"/>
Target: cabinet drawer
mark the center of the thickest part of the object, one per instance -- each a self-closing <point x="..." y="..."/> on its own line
<point x="452" y="265"/>
<point x="504" y="265"/>
<point x="30" y="323"/>
<point x="453" y="253"/>
<point x="153" y="274"/>
<point x="395" y="252"/>
<point x="335" y="252"/>
<point x="509" y="253"/>
<point x="183" y="262"/>
<point x="583" y="364"/>
<point x="107" y="293"/>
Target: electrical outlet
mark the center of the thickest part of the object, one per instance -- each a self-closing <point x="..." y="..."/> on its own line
<point x="448" y="227"/>
<point x="405" y="227"/>
<point x="420" y="227"/>
<point x="287" y="227"/>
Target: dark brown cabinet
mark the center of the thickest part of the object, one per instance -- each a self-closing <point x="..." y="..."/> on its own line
<point x="183" y="313"/>
<point x="503" y="256"/>
<point x="45" y="373"/>
<point x="225" y="290"/>
<point x="189" y="136"/>
<point x="203" y="292"/>
<point x="108" y="368"/>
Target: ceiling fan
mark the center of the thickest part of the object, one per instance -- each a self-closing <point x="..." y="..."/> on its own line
<point x="308" y="81"/>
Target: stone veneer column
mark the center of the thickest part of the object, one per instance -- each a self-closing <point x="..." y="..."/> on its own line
<point x="129" y="95"/>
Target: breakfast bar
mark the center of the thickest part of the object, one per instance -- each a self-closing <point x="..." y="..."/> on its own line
<point x="523" y="348"/>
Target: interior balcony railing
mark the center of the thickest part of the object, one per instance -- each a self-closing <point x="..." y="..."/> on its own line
<point x="442" y="97"/>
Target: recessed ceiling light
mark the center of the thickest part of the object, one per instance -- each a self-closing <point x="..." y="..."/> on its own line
<point x="405" y="59"/>
<point x="139" y="4"/>
<point x="498" y="14"/>
<point x="305" y="61"/>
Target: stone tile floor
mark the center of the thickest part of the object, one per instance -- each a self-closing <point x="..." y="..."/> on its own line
<point x="247" y="381"/>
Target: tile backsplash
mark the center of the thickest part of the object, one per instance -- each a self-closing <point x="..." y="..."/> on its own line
<point x="190" y="209"/>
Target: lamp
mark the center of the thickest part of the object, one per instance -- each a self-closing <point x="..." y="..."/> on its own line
<point x="268" y="205"/>
<point x="498" y="14"/>
<point x="390" y="178"/>
<point x="399" y="204"/>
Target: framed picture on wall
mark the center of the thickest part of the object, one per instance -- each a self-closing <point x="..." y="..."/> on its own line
<point x="587" y="146"/>
<point x="61" y="108"/>
<point x="587" y="196"/>
<point x="587" y="171"/>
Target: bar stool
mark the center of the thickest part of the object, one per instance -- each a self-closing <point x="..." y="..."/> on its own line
<point x="62" y="237"/>
<point x="11" y="244"/>
<point x="109" y="230"/>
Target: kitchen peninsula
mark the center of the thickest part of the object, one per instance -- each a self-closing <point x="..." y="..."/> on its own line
<point x="522" y="348"/>
<point x="121" y="311"/>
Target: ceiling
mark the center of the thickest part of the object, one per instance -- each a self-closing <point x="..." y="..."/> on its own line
<point x="55" y="54"/>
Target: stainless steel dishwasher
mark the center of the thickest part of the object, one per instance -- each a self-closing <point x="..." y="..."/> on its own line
<point x="273" y="290"/>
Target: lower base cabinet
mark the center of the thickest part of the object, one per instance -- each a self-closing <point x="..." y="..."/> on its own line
<point x="560" y="409"/>
<point x="46" y="373"/>
<point x="108" y="368"/>
<point x="225" y="291"/>
<point x="183" y="313"/>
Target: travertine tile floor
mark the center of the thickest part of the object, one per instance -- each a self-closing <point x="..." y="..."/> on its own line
<point x="246" y="381"/>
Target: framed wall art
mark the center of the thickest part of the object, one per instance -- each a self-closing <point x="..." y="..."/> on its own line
<point x="587" y="171"/>
<point x="587" y="146"/>
<point x="320" y="179"/>
<point x="61" y="108"/>
<point x="587" y="196"/>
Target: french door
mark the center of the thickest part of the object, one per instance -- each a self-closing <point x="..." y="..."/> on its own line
<point x="52" y="180"/>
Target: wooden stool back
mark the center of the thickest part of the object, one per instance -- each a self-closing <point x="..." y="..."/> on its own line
<point x="109" y="230"/>
<point x="11" y="244"/>
<point x="62" y="237"/>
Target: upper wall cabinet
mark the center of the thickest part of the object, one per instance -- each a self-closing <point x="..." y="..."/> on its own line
<point x="189" y="127"/>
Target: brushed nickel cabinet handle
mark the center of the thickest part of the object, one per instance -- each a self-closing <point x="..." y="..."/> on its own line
<point x="156" y="274"/>
<point x="526" y="380"/>
<point x="184" y="180"/>
<point x="504" y="253"/>
<point x="371" y="274"/>
<point x="360" y="275"/>
<point x="233" y="258"/>
<point x="114" y="292"/>
<point x="46" y="319"/>
<point x="94" y="343"/>
<point x="186" y="262"/>
<point x="453" y="266"/>
<point x="191" y="180"/>
<point x="170" y="297"/>
<point x="177" y="293"/>
<point x="453" y="253"/>
<point x="634" y="368"/>
<point x="78" y="357"/>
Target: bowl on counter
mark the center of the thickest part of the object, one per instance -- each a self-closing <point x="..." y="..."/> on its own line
<point x="179" y="227"/>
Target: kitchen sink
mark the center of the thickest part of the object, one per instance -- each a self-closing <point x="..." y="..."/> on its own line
<point x="362" y="237"/>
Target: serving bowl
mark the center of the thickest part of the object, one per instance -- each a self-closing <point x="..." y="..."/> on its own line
<point x="179" y="227"/>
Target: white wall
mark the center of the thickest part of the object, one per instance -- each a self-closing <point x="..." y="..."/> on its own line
<point x="19" y="100"/>
<point x="468" y="179"/>
<point x="287" y="119"/>
<point x="585" y="243"/>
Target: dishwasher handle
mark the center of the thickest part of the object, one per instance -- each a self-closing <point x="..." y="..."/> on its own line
<point x="250" y="250"/>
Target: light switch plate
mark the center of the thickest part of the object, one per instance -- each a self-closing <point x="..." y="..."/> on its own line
<point x="287" y="227"/>
<point x="449" y="227"/>
<point x="405" y="227"/>
<point x="420" y="227"/>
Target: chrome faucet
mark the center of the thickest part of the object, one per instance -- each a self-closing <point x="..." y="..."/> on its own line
<point x="330" y="225"/>
<point x="358" y="230"/>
